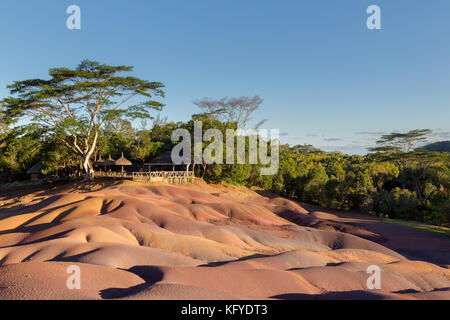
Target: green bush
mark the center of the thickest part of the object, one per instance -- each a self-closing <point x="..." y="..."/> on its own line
<point x="398" y="203"/>
<point x="439" y="214"/>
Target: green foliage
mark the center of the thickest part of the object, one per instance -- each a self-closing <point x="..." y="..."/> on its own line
<point x="438" y="213"/>
<point x="144" y="147"/>
<point x="57" y="158"/>
<point x="4" y="129"/>
<point x="237" y="174"/>
<point x="19" y="149"/>
<point x="404" y="185"/>
<point x="398" y="203"/>
<point x="311" y="187"/>
<point x="383" y="172"/>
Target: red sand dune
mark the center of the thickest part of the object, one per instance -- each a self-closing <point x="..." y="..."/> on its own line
<point x="136" y="241"/>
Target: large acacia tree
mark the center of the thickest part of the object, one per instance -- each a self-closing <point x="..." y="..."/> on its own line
<point x="76" y="103"/>
<point x="401" y="142"/>
<point x="227" y="109"/>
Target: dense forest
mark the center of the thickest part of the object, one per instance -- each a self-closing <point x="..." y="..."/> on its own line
<point x="396" y="179"/>
<point x="414" y="185"/>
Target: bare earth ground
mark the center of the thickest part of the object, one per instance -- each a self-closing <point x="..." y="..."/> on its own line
<point x="136" y="241"/>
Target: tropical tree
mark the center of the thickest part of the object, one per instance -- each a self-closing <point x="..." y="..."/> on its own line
<point x="79" y="101"/>
<point x="144" y="148"/>
<point x="401" y="142"/>
<point x="19" y="150"/>
<point x="238" y="110"/>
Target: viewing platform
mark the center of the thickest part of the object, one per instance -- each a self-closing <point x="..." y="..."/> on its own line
<point x="176" y="177"/>
<point x="160" y="169"/>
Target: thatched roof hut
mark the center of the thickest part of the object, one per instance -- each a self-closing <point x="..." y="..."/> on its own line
<point x="165" y="160"/>
<point x="109" y="162"/>
<point x="35" y="170"/>
<point x="99" y="162"/>
<point x="122" y="161"/>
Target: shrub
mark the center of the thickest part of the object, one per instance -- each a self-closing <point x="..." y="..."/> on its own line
<point x="439" y="214"/>
<point x="398" y="203"/>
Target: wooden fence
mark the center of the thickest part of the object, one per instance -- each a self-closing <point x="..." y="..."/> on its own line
<point x="177" y="177"/>
<point x="113" y="174"/>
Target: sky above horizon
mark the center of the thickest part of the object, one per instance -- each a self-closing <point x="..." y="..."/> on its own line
<point x="326" y="79"/>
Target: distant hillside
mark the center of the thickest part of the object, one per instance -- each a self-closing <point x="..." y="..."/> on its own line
<point x="441" y="146"/>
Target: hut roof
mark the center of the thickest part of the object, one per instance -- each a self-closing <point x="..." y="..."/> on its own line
<point x="122" y="161"/>
<point x="36" y="168"/>
<point x="99" y="162"/>
<point x="166" y="159"/>
<point x="109" y="162"/>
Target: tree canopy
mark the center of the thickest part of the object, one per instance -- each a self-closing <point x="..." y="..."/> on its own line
<point x="238" y="110"/>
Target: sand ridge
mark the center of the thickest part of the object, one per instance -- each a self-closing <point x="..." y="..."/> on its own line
<point x="160" y="241"/>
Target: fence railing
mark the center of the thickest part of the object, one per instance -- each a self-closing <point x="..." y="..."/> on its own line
<point x="113" y="174"/>
<point x="176" y="177"/>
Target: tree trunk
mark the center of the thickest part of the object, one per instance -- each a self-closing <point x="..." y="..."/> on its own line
<point x="87" y="168"/>
<point x="86" y="165"/>
<point x="204" y="170"/>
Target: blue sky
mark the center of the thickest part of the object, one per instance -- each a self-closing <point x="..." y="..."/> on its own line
<point x="326" y="79"/>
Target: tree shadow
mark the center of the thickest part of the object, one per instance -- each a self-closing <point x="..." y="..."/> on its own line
<point x="150" y="274"/>
<point x="52" y="237"/>
<point x="348" y="295"/>
<point x="221" y="263"/>
<point x="73" y="258"/>
<point x="105" y="209"/>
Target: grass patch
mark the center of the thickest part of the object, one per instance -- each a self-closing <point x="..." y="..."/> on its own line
<point x="421" y="226"/>
<point x="19" y="184"/>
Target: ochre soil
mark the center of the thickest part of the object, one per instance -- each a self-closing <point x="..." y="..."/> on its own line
<point x="202" y="241"/>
